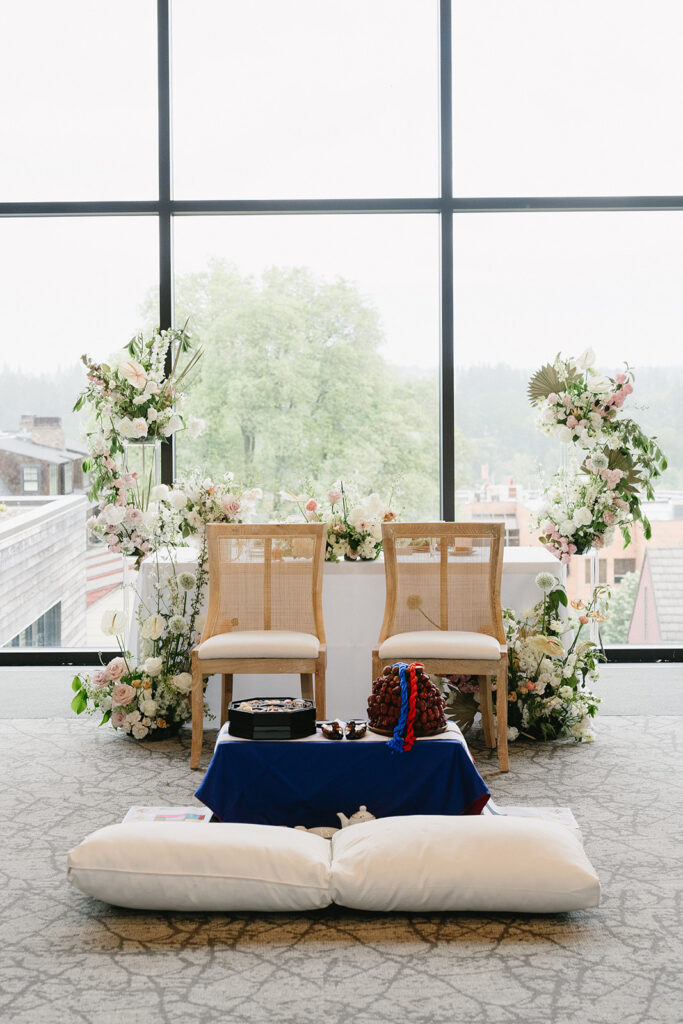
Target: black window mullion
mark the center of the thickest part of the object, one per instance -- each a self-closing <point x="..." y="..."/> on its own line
<point x="165" y="231"/>
<point x="446" y="362"/>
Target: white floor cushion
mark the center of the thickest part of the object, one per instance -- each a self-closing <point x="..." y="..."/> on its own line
<point x="433" y="863"/>
<point x="260" y="643"/>
<point x="220" y="867"/>
<point x="440" y="643"/>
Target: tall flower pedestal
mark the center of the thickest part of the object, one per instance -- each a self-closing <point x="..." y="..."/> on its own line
<point x="143" y="458"/>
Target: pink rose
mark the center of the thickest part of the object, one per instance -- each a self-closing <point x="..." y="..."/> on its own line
<point x="609" y="517"/>
<point x="583" y="620"/>
<point x="311" y="505"/>
<point x="553" y="399"/>
<point x="134" y="515"/>
<point x="122" y="694"/>
<point x="572" y="422"/>
<point x="334" y="496"/>
<point x="100" y="678"/>
<point x="230" y="505"/>
<point x="530" y="686"/>
<point x="118" y="718"/>
<point x="115" y="669"/>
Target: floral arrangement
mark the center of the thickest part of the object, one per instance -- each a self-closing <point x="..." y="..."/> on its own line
<point x="134" y="400"/>
<point x="549" y="661"/>
<point x="149" y="697"/>
<point x="353" y="533"/>
<point x="615" y="465"/>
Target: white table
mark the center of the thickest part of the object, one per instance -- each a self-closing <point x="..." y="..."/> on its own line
<point x="353" y="607"/>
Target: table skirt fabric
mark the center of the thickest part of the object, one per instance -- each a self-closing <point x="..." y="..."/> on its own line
<point x="305" y="782"/>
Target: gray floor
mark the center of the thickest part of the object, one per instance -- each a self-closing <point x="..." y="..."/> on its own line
<point x="624" y="690"/>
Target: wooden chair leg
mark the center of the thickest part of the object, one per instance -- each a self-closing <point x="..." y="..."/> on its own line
<point x="307" y="686"/>
<point x="502" y="716"/>
<point x="320" y="696"/>
<point x="376" y="665"/>
<point x="197" y="713"/>
<point x="486" y="709"/>
<point x="226" y="697"/>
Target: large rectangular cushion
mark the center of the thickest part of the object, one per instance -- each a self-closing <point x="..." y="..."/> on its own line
<point x="434" y="863"/>
<point x="219" y="867"/>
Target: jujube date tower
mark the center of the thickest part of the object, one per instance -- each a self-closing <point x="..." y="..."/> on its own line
<point x="384" y="703"/>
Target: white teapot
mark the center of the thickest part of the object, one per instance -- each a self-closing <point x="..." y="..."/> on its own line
<point x="362" y="814"/>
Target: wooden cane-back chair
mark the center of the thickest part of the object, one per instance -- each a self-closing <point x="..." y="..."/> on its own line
<point x="443" y="608"/>
<point x="265" y="611"/>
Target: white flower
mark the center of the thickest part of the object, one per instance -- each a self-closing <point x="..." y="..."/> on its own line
<point x="174" y="423"/>
<point x="546" y="581"/>
<point x="562" y="433"/>
<point x="598" y="384"/>
<point x="113" y="623"/>
<point x="132" y="428"/>
<point x="177" y="624"/>
<point x="196" y="426"/>
<point x="565" y="692"/>
<point x="148" y="708"/>
<point x="582" y="516"/>
<point x="585" y="360"/>
<point x="133" y="717"/>
<point x="133" y="373"/>
<point x="139" y="731"/>
<point x="113" y="515"/>
<point x="567" y="528"/>
<point x="153" y="627"/>
<point x="98" y="444"/>
<point x="513" y="733"/>
<point x="152" y="414"/>
<point x="153" y="666"/>
<point x="178" y="499"/>
<point x="187" y="580"/>
<point x="182" y="682"/>
<point x="159" y="493"/>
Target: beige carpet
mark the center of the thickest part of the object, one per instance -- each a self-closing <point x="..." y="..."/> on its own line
<point x="66" y="958"/>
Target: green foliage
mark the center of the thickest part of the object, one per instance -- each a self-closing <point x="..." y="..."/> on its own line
<point x="294" y="387"/>
<point x="615" y="630"/>
<point x="80" y="701"/>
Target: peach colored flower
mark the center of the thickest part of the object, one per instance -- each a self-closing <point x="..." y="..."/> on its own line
<point x="122" y="694"/>
<point x="118" y="718"/>
<point x="133" y="373"/>
<point x="311" y="505"/>
<point x="115" y="669"/>
<point x="100" y="678"/>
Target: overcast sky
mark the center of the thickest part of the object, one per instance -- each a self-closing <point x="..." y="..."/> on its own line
<point x="323" y="99"/>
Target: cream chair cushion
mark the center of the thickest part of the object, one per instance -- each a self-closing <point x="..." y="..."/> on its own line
<point x="438" y="643"/>
<point x="260" y="643"/>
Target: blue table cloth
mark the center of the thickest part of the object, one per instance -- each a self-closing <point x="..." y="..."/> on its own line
<point x="305" y="782"/>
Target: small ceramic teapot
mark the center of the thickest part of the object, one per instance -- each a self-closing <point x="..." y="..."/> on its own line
<point x="362" y="814"/>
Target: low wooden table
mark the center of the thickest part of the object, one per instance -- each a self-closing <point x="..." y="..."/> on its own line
<point x="305" y="782"/>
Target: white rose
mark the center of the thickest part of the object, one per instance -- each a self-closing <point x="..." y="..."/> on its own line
<point x="153" y="667"/>
<point x="113" y="515"/>
<point x="513" y="733"/>
<point x="562" y="433"/>
<point x="567" y="528"/>
<point x="148" y="708"/>
<point x="178" y="499"/>
<point x="174" y="423"/>
<point x="153" y="627"/>
<point x="139" y="731"/>
<point x="159" y="493"/>
<point x="139" y="427"/>
<point x="152" y="414"/>
<point x="182" y="682"/>
<point x="112" y="623"/>
<point x="582" y="517"/>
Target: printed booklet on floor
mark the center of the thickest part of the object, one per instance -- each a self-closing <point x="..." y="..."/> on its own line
<point x="201" y="815"/>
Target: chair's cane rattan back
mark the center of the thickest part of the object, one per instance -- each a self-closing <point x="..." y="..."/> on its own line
<point x="265" y="577"/>
<point x="443" y="576"/>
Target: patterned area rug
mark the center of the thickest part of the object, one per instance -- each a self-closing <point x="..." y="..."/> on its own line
<point x="66" y="958"/>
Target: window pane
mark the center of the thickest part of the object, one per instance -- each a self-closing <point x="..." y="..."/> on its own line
<point x="79" y="112"/>
<point x="553" y="99"/>
<point x="526" y="287"/>
<point x="67" y="286"/>
<point x="274" y="100"/>
<point x="321" y="352"/>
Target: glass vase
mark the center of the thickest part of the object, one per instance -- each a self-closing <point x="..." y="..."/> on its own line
<point x="142" y="457"/>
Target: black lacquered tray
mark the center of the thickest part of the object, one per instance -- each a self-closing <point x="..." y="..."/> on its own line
<point x="271" y="718"/>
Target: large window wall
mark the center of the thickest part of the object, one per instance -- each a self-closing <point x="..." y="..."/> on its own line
<point x="379" y="218"/>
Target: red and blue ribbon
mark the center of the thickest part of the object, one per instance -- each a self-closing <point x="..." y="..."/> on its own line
<point x="404" y="733"/>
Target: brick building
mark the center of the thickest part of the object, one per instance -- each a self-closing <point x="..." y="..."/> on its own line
<point x="36" y="459"/>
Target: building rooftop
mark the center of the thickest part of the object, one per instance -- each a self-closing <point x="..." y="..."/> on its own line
<point x="24" y="446"/>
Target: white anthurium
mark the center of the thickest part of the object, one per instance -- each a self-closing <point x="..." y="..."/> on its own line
<point x="113" y="623"/>
<point x="133" y="372"/>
